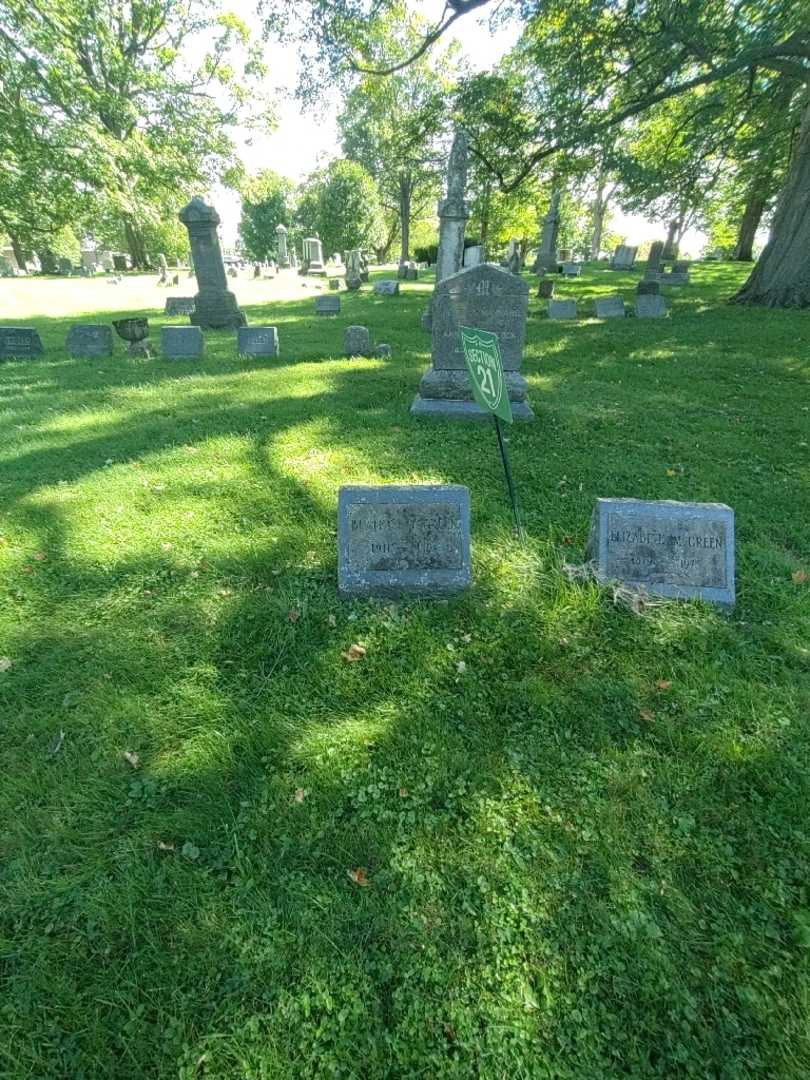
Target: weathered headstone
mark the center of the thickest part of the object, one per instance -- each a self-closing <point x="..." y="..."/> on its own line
<point x="179" y="305"/>
<point x="547" y="249"/>
<point x="545" y="288"/>
<point x="514" y="263"/>
<point x="281" y="245"/>
<point x="484" y="297"/>
<point x="88" y="341"/>
<point x="120" y="264"/>
<point x="181" y="342"/>
<point x="19" y="342"/>
<point x="648" y="288"/>
<point x="403" y="540"/>
<point x="473" y="256"/>
<point x="650" y="306"/>
<point x="357" y="341"/>
<point x="327" y="305"/>
<point x="382" y="351"/>
<point x="675" y="549"/>
<point x="453" y="211"/>
<point x="411" y="273"/>
<point x="609" y="307"/>
<point x="215" y="307"/>
<point x="386" y="287"/>
<point x="654" y="259"/>
<point x="257" y="341"/>
<point x="572" y="269"/>
<point x="623" y="257"/>
<point x="562" y="309"/>
<point x="313" y="257"/>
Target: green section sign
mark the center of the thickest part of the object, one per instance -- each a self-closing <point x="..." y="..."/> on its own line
<point x="482" y="354"/>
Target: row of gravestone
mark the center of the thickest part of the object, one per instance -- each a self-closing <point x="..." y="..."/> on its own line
<point x="610" y="307"/>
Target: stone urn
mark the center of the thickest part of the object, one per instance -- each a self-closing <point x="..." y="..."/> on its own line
<point x="136" y="333"/>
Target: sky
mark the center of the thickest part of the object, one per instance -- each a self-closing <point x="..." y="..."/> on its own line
<point x="302" y="141"/>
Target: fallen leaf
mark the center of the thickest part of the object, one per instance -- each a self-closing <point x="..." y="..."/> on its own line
<point x="300" y="794"/>
<point x="132" y="758"/>
<point x="5" y="663"/>
<point x="293" y="615"/>
<point x="800" y="577"/>
<point x="461" y="667"/>
<point x="672" y="472"/>
<point x="331" y="620"/>
<point x="40" y="556"/>
<point x="646" y="714"/>
<point x="55" y="744"/>
<point x="358" y="876"/>
<point x="663" y="684"/>
<point x="354" y="652"/>
<point x="403" y="793"/>
<point x="190" y="851"/>
<point x="164" y="845"/>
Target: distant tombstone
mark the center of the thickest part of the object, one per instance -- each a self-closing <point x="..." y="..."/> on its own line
<point x="398" y="540"/>
<point x="357" y="341"/>
<point x="179" y="305"/>
<point x="257" y="270"/>
<point x="313" y="257"/>
<point x="162" y="262"/>
<point x="106" y="259"/>
<point x="411" y="273"/>
<point x="609" y="307"/>
<point x="88" y="341"/>
<point x="648" y="288"/>
<point x="545" y="288"/>
<point x="215" y="307"/>
<point x="650" y="307"/>
<point x="402" y="271"/>
<point x="120" y="263"/>
<point x="679" y="274"/>
<point x="258" y="341"/>
<point x="281" y="245"/>
<point x="327" y="305"/>
<point x="386" y="287"/>
<point x="623" y="257"/>
<point x="562" y="309"/>
<point x="382" y="352"/>
<point x="65" y="266"/>
<point x="680" y="550"/>
<point x="181" y="342"/>
<point x="487" y="298"/>
<point x="19" y="342"/>
<point x="513" y="259"/>
<point x="572" y="269"/>
<point x="473" y="256"/>
<point x="654" y="259"/>
<point x="547" y="248"/>
<point x="49" y="263"/>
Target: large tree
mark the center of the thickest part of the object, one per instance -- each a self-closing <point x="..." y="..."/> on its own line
<point x="267" y="202"/>
<point x="341" y="204"/>
<point x="595" y="64"/>
<point x="139" y="94"/>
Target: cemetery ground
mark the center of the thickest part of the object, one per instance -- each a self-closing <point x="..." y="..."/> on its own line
<point x="526" y="832"/>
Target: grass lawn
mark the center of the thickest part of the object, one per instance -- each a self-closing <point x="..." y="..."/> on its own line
<point x="585" y="833"/>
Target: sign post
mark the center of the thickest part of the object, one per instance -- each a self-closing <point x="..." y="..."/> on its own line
<point x="482" y="355"/>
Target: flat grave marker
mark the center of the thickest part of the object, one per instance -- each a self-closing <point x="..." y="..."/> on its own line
<point x="650" y="307"/>
<point x="179" y="305"/>
<point x="609" y="307"/>
<point x="86" y="341"/>
<point x="181" y="342"/>
<point x="387" y="287"/>
<point x="327" y="305"/>
<point x="562" y="309"/>
<point x="19" y="342"/>
<point x="680" y="550"/>
<point x="397" y="540"/>
<point x="257" y="341"/>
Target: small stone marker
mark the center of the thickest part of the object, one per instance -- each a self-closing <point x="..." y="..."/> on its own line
<point x="383" y="352"/>
<point x="650" y="307"/>
<point x="609" y="307"/>
<point x="179" y="305"/>
<point x="388" y="287"/>
<point x="396" y="540"/>
<point x="676" y="549"/>
<point x="357" y="341"/>
<point x="648" y="288"/>
<point x="545" y="289"/>
<point x="327" y="305"/>
<point x="19" y="342"/>
<point x="181" y="342"/>
<point x="572" y="269"/>
<point x="87" y="341"/>
<point x="257" y="341"/>
<point x="562" y="309"/>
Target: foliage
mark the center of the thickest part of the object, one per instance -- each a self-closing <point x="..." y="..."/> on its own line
<point x="575" y="871"/>
<point x="341" y="204"/>
<point x="267" y="202"/>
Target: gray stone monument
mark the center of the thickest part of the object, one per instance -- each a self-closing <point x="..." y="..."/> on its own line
<point x="181" y="342"/>
<point x="680" y="550"/>
<point x="453" y="211"/>
<point x="357" y="341"/>
<point x="312" y="262"/>
<point x="257" y="341"/>
<point x="545" y="288"/>
<point x="623" y="257"/>
<point x="487" y="298"/>
<point x="215" y="306"/>
<point x="19" y="342"/>
<point x="386" y="287"/>
<point x="655" y="258"/>
<point x="650" y="306"/>
<point x="179" y="305"/>
<point x="281" y="245"/>
<point x="327" y="305"/>
<point x="572" y="269"/>
<point x="609" y="307"/>
<point x="120" y="264"/>
<point x="354" y="269"/>
<point x="399" y="540"/>
<point x="562" y="309"/>
<point x="648" y="288"/>
<point x="87" y="341"/>
<point x="547" y="250"/>
<point x="473" y="256"/>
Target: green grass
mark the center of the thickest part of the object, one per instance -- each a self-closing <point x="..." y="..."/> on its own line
<point x="573" y="873"/>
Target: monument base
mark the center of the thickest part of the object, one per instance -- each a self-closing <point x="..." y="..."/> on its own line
<point x="464" y="410"/>
<point x="218" y="312"/>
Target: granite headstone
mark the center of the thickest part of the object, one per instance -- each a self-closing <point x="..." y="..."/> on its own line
<point x="87" y="341"/>
<point x="179" y="305"/>
<point x="386" y="287"/>
<point x="181" y="342"/>
<point x="327" y="305"/>
<point x="257" y="341"/>
<point x="357" y="341"/>
<point x="215" y="307"/>
<point x="562" y="309"/>
<point x="609" y="307"/>
<point x="650" y="306"/>
<point x="19" y="342"/>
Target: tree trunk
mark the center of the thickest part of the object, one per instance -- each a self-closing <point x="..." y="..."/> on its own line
<point x="598" y="211"/>
<point x="19" y="251"/>
<point x="405" y="192"/>
<point x="486" y="203"/>
<point x="752" y="215"/>
<point x="135" y="244"/>
<point x="781" y="278"/>
<point x="673" y="235"/>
